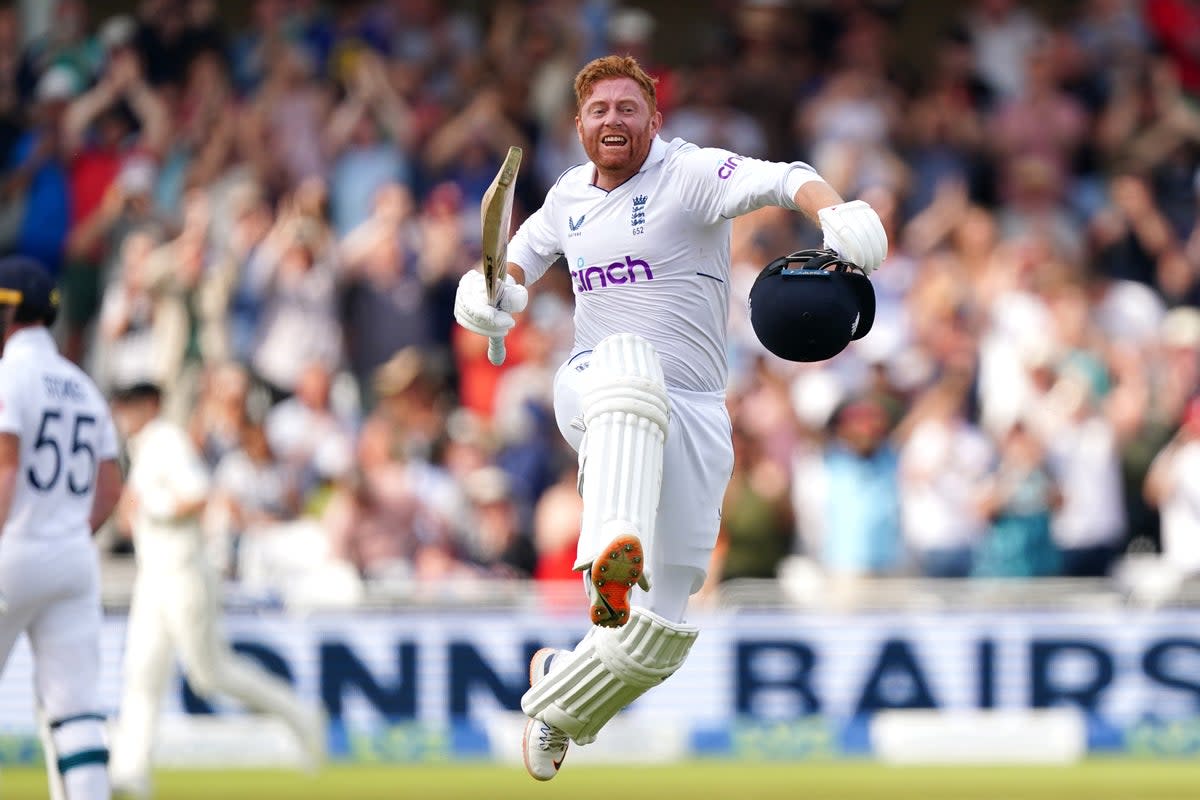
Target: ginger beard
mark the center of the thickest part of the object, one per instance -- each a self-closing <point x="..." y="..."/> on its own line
<point x="616" y="128"/>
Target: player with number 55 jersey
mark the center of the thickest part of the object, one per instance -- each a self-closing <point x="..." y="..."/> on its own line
<point x="59" y="481"/>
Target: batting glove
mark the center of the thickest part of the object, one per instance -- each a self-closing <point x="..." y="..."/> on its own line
<point x="473" y="311"/>
<point x="854" y="231"/>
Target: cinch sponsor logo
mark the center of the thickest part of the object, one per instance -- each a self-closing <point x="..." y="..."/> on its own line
<point x="728" y="166"/>
<point x="618" y="272"/>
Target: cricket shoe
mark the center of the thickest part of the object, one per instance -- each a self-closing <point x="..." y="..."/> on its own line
<point x="314" y="741"/>
<point x="544" y="746"/>
<point x="612" y="576"/>
<point x="132" y="787"/>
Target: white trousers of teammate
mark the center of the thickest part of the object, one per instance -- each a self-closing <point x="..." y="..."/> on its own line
<point x="697" y="463"/>
<point x="177" y="612"/>
<point x="52" y="588"/>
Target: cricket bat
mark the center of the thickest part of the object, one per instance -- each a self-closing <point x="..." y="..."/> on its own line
<point x="495" y="214"/>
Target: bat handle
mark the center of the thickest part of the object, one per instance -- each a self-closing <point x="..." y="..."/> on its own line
<point x="496" y="350"/>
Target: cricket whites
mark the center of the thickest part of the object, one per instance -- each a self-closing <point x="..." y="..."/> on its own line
<point x="495" y="214"/>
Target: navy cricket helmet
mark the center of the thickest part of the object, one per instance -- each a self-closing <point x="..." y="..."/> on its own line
<point x="26" y="284"/>
<point x="809" y="305"/>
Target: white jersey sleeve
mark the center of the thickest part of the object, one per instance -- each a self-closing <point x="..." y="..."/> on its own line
<point x="10" y="401"/>
<point x="108" y="448"/>
<point x="535" y="245"/>
<point x="718" y="184"/>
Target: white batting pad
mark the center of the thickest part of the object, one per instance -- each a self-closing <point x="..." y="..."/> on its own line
<point x="607" y="671"/>
<point x="625" y="413"/>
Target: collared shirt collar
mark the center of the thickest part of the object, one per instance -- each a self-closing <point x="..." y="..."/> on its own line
<point x="658" y="151"/>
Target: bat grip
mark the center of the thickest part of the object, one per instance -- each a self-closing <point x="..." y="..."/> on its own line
<point x="496" y="350"/>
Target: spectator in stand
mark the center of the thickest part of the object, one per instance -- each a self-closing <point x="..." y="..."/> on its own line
<point x="66" y="43"/>
<point x="129" y="318"/>
<point x="411" y="414"/>
<point x="1176" y="26"/>
<point x="252" y="490"/>
<point x="848" y="122"/>
<point x="468" y="148"/>
<point x="1036" y="134"/>
<point x="115" y="135"/>
<point x="12" y="121"/>
<point x="304" y="431"/>
<point x="232" y="295"/>
<point x="707" y="115"/>
<point x="380" y="526"/>
<point x="945" y="136"/>
<point x="177" y="270"/>
<point x="756" y="517"/>
<point x="221" y="411"/>
<point x="497" y="542"/>
<point x="530" y="446"/>
<point x="251" y="48"/>
<point x="1002" y="34"/>
<point x="35" y="182"/>
<point x="1080" y="439"/>
<point x="944" y="457"/>
<point x="1018" y="498"/>
<point x="368" y="139"/>
<point x="283" y="124"/>
<point x="294" y="272"/>
<point x="1171" y="486"/>
<point x="851" y="486"/>
<point x="556" y="521"/>
<point x="385" y="305"/>
<point x="203" y="146"/>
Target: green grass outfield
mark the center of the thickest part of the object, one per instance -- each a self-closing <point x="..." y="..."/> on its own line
<point x="1093" y="780"/>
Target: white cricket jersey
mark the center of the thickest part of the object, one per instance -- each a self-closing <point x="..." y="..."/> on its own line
<point x="165" y="472"/>
<point x="651" y="256"/>
<point x="65" y="429"/>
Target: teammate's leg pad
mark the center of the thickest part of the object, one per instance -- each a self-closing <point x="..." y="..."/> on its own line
<point x="607" y="671"/>
<point x="626" y="414"/>
<point x="76" y="744"/>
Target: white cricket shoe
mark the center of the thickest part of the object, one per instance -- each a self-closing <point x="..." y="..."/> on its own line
<point x="131" y="787"/>
<point x="545" y="746"/>
<point x="313" y="740"/>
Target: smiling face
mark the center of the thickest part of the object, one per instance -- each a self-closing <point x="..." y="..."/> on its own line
<point x="616" y="126"/>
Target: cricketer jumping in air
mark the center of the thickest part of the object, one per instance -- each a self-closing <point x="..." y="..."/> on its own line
<point x="59" y="481"/>
<point x="644" y="228"/>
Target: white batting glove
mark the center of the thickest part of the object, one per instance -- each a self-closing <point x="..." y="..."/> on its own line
<point x="473" y="311"/>
<point x="854" y="231"/>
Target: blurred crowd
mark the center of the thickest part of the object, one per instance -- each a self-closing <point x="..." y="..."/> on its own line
<point x="270" y="220"/>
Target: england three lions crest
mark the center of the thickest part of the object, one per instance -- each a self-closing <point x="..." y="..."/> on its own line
<point x="637" y="219"/>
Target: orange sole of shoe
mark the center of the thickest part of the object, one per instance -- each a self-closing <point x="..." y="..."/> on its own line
<point x="614" y="574"/>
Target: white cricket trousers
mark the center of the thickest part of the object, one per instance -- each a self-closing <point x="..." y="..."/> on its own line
<point x="697" y="464"/>
<point x="177" y="612"/>
<point x="52" y="588"/>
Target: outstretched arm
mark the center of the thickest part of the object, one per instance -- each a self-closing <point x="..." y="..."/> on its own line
<point x="717" y="184"/>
